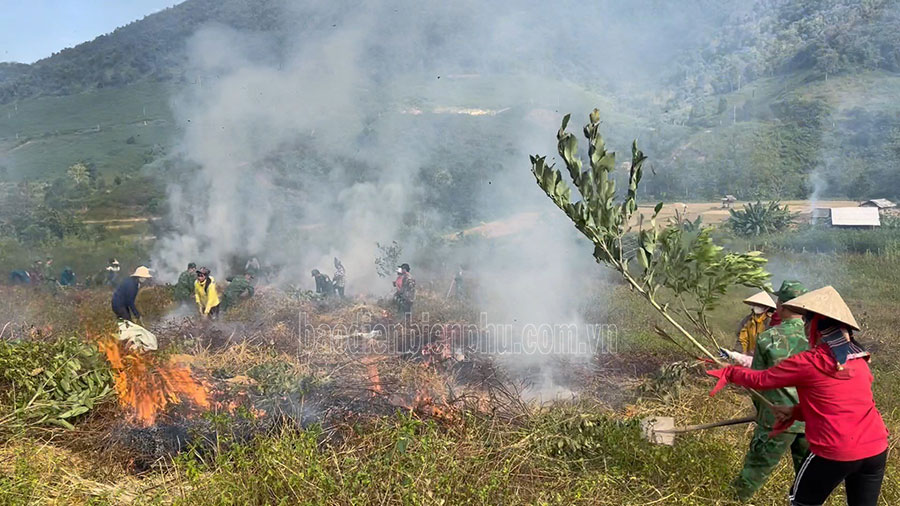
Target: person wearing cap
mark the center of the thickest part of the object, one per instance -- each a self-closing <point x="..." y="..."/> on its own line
<point x="184" y="288"/>
<point x="406" y="291"/>
<point x="771" y="347"/>
<point x="125" y="294"/>
<point x="47" y="274"/>
<point x="239" y="287"/>
<point x="847" y="436"/>
<point x="206" y="294"/>
<point x="67" y="277"/>
<point x="36" y="274"/>
<point x="754" y="324"/>
<point x="112" y="272"/>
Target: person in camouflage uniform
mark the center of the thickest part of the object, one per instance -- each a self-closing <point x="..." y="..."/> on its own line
<point x="237" y="287"/>
<point x="184" y="288"/>
<point x="47" y="271"/>
<point x="773" y="346"/>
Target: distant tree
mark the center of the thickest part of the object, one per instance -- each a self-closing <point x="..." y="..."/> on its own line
<point x="388" y="259"/>
<point x="79" y="173"/>
<point x="757" y="219"/>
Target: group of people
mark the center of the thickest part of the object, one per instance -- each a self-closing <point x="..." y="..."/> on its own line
<point x="799" y="351"/>
<point x="43" y="271"/>
<point x="193" y="284"/>
<point x="326" y="286"/>
<point x="198" y="284"/>
<point x="404" y="286"/>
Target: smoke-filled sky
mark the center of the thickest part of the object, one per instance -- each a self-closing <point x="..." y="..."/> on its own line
<point x="310" y="142"/>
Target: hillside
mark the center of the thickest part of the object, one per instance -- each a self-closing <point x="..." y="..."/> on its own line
<point x="768" y="38"/>
<point x="149" y="49"/>
<point x="790" y="136"/>
<point x="759" y="106"/>
<point x="114" y="130"/>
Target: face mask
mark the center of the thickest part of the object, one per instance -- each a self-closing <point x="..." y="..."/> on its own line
<point x="759" y="310"/>
<point x="399" y="271"/>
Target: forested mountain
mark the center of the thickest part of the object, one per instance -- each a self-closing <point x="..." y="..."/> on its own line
<point x="151" y="48"/>
<point x="759" y="98"/>
<point x="755" y="39"/>
<point x="777" y="37"/>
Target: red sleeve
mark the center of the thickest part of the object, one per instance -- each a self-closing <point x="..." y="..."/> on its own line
<point x="790" y="372"/>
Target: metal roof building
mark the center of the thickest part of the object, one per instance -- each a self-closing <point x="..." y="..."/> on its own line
<point x="879" y="203"/>
<point x="855" y="217"/>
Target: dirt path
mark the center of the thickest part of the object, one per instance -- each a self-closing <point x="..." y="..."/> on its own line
<point x="143" y="219"/>
<point x="712" y="213"/>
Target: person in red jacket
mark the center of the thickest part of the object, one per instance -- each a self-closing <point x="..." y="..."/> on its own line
<point x="847" y="437"/>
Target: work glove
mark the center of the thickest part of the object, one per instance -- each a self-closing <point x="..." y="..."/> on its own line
<point x="722" y="374"/>
<point x="736" y="357"/>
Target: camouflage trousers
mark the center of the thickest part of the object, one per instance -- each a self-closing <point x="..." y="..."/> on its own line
<point x="762" y="457"/>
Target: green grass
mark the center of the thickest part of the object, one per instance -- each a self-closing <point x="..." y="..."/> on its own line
<point x="586" y="452"/>
<point x="41" y="138"/>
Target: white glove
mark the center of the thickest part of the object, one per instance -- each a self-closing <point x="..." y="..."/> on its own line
<point x="739" y="358"/>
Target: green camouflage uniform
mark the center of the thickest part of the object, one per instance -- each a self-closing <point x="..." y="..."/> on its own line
<point x="773" y="346"/>
<point x="184" y="289"/>
<point x="48" y="274"/>
<point x="234" y="290"/>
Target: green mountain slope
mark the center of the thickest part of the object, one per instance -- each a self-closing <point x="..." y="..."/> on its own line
<point x="114" y="130"/>
<point x="791" y="136"/>
<point x="784" y="99"/>
<point x="148" y="49"/>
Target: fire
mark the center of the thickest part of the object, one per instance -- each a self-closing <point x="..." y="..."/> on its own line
<point x="146" y="387"/>
<point x="427" y="405"/>
<point x="372" y="373"/>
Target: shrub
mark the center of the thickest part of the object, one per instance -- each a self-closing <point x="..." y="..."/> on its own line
<point x="51" y="382"/>
<point x="757" y="219"/>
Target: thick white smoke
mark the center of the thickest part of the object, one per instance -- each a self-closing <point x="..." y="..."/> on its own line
<point x="313" y="140"/>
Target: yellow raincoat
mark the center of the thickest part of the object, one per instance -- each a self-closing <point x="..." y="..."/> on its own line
<point x="752" y="326"/>
<point x="207" y="297"/>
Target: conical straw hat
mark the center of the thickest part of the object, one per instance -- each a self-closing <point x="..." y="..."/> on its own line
<point x="827" y="302"/>
<point x="142" y="272"/>
<point x="761" y="299"/>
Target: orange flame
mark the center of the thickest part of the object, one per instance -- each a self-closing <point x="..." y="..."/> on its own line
<point x="146" y="387"/>
<point x="372" y="372"/>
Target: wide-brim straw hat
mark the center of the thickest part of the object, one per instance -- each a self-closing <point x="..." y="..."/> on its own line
<point x="142" y="272"/>
<point x="825" y="301"/>
<point x="761" y="299"/>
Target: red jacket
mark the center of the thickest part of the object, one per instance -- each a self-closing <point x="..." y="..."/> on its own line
<point x="842" y="422"/>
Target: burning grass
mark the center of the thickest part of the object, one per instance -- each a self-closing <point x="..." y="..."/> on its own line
<point x="147" y="385"/>
<point x="296" y="418"/>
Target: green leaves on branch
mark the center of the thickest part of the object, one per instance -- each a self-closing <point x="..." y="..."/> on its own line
<point x="757" y="219"/>
<point x="683" y="260"/>
<point x="50" y="382"/>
